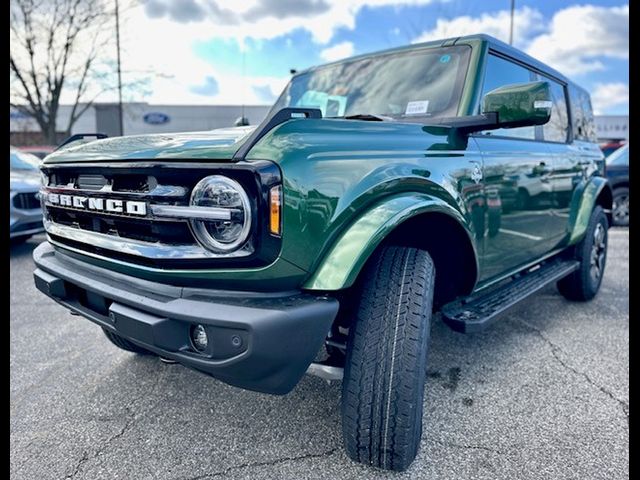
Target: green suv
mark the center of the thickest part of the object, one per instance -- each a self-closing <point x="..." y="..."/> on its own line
<point x="457" y="176"/>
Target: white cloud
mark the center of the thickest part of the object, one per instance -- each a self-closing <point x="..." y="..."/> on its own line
<point x="337" y="52"/>
<point x="162" y="46"/>
<point x="572" y="42"/>
<point x="525" y="22"/>
<point x="579" y="34"/>
<point x="608" y="95"/>
<point x="162" y="50"/>
<point x="266" y="19"/>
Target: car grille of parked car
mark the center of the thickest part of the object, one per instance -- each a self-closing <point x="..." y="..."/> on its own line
<point x="147" y="239"/>
<point x="26" y="200"/>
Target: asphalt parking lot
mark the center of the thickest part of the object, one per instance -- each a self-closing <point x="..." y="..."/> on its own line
<point x="541" y="394"/>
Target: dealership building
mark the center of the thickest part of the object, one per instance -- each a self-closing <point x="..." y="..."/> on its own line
<point x="138" y="118"/>
<point x="143" y="118"/>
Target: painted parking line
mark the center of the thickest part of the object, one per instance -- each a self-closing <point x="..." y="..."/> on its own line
<point x="520" y="234"/>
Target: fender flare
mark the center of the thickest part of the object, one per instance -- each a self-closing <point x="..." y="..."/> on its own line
<point x="341" y="265"/>
<point x="582" y="204"/>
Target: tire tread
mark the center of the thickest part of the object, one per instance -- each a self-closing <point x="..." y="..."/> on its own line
<point x="383" y="392"/>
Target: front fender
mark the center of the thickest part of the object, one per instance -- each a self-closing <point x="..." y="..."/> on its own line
<point x="343" y="262"/>
<point x="582" y="203"/>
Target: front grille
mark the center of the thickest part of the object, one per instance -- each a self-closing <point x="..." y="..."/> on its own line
<point x="26" y="201"/>
<point x="148" y="239"/>
<point x="166" y="232"/>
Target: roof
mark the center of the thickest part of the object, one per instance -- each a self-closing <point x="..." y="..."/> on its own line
<point x="476" y="39"/>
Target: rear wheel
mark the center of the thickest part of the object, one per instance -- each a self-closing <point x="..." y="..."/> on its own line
<point x="385" y="371"/>
<point x="584" y="283"/>
<point x="125" y="344"/>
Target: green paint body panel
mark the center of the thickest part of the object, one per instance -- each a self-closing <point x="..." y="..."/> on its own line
<point x="349" y="253"/>
<point x="347" y="184"/>
<point x="584" y="199"/>
<point x="337" y="172"/>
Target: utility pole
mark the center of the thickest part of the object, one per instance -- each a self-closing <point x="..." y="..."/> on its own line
<point x="243" y="86"/>
<point x="513" y="4"/>
<point x="119" y="71"/>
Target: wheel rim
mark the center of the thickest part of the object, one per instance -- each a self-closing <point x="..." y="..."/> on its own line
<point x="621" y="209"/>
<point x="598" y="253"/>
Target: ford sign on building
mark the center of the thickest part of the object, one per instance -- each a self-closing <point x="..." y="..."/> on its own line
<point x="156" y="118"/>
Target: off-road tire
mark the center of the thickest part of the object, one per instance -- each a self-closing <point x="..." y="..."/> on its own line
<point x="386" y="362"/>
<point x="581" y="285"/>
<point x="125" y="344"/>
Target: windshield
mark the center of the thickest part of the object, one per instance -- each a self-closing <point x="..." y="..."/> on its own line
<point x="24" y="161"/>
<point x="422" y="83"/>
<point x="619" y="157"/>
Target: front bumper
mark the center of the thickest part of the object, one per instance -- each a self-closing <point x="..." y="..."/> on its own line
<point x="257" y="341"/>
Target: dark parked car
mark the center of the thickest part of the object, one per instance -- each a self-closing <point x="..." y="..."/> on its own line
<point x="610" y="147"/>
<point x="618" y="175"/>
<point x="25" y="213"/>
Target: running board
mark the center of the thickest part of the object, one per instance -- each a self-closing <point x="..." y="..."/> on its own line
<point x="476" y="312"/>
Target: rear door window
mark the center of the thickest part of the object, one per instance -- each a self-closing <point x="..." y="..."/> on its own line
<point x="584" y="127"/>
<point x="557" y="128"/>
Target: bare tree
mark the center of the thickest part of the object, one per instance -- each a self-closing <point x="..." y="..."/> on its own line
<point x="54" y="49"/>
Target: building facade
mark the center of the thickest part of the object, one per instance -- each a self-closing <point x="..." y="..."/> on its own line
<point x="138" y="118"/>
<point x="612" y="127"/>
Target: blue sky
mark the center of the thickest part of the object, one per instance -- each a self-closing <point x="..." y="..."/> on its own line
<point x="197" y="46"/>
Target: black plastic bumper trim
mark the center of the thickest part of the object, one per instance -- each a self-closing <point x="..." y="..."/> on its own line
<point x="258" y="342"/>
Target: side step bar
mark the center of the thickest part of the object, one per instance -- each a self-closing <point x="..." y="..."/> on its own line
<point x="476" y="312"/>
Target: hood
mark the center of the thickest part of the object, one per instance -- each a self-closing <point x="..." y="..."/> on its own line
<point x="301" y="137"/>
<point x="25" y="180"/>
<point x="218" y="145"/>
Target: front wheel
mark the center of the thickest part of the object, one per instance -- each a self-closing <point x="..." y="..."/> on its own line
<point x="591" y="252"/>
<point x="385" y="371"/>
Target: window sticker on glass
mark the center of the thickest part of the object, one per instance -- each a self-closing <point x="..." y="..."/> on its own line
<point x="417" y="107"/>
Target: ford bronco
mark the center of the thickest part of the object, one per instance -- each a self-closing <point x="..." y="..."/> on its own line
<point x="457" y="176"/>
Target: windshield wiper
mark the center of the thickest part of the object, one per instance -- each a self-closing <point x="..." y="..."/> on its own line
<point x="367" y="117"/>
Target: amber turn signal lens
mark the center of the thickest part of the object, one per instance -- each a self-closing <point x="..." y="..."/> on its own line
<point x="275" y="200"/>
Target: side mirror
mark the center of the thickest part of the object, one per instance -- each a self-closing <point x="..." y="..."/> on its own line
<point x="519" y="105"/>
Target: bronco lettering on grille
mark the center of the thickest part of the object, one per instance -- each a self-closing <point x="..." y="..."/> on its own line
<point x="98" y="204"/>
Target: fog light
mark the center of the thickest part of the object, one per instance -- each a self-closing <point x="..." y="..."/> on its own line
<point x="199" y="338"/>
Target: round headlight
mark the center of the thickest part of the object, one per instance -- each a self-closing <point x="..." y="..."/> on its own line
<point x="225" y="235"/>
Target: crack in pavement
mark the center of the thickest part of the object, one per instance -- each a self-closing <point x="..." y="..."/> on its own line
<point x="133" y="417"/>
<point x="276" y="461"/>
<point x="555" y="350"/>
